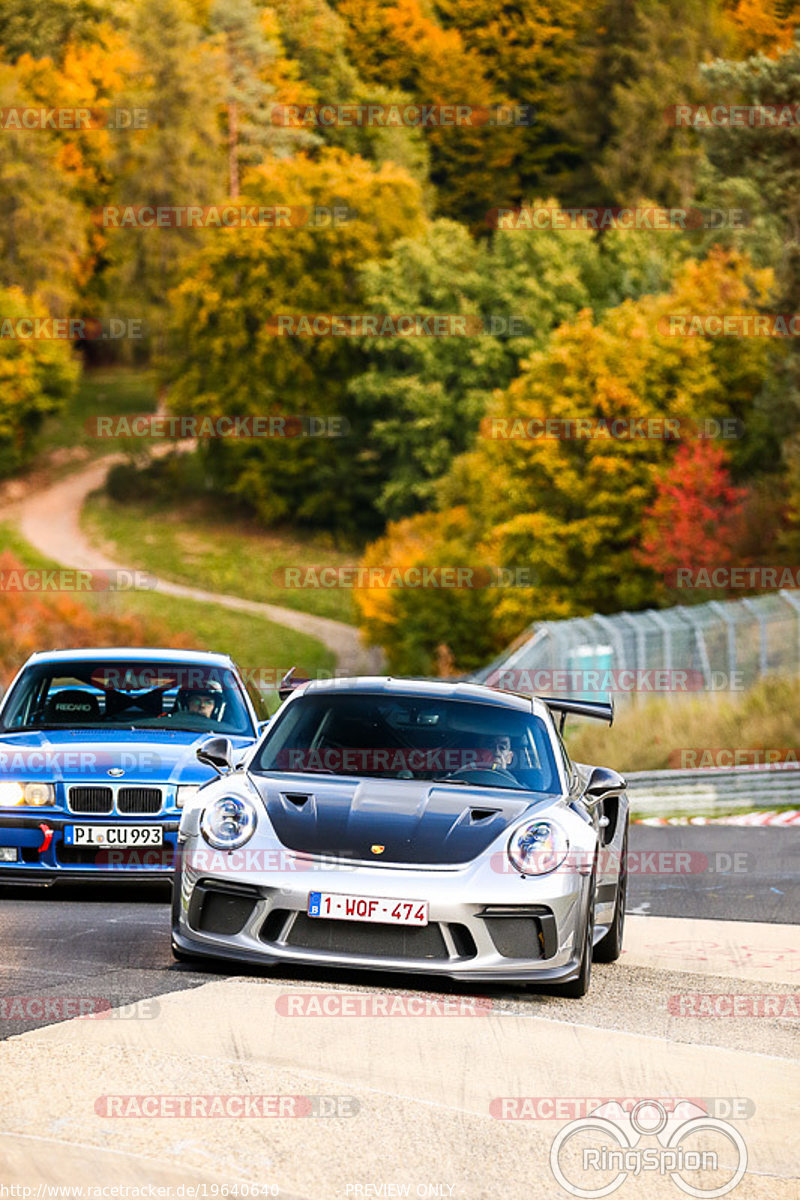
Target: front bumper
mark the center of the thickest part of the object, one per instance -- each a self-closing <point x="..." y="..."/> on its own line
<point x="42" y="855"/>
<point x="483" y="925"/>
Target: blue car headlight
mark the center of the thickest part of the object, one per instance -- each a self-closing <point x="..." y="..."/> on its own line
<point x="228" y="822"/>
<point x="26" y="795"/>
<point x="538" y="847"/>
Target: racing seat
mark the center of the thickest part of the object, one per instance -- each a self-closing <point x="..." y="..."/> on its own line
<point x="72" y="706"/>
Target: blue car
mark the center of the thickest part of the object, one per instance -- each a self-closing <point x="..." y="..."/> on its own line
<point x="98" y="758"/>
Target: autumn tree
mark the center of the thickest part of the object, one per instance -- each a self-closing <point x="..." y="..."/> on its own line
<point x="415" y="628"/>
<point x="766" y="156"/>
<point x="696" y="519"/>
<point x="44" y="231"/>
<point x="568" y="509"/>
<point x="177" y="160"/>
<point x="529" y="53"/>
<point x="37" y="378"/>
<point x="761" y="26"/>
<point x="316" y="40"/>
<point x="473" y="167"/>
<point x="225" y="357"/>
<point x="762" y="164"/>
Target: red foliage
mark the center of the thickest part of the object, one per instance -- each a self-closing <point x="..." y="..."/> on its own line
<point x="696" y="519"/>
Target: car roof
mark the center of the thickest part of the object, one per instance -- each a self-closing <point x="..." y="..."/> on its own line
<point x="432" y="689"/>
<point x="131" y="654"/>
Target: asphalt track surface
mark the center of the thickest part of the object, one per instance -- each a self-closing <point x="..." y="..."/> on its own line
<point x="113" y="941"/>
<point x="417" y="1102"/>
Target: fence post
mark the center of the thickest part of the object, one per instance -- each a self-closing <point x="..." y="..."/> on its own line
<point x="794" y="604"/>
<point x="762" y="635"/>
<point x="722" y="609"/>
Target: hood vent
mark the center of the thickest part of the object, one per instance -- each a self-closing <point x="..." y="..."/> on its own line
<point x="298" y="799"/>
<point x="482" y="814"/>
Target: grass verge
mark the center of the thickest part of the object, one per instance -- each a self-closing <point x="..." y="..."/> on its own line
<point x="259" y="647"/>
<point x="190" y="544"/>
<point x="102" y="392"/>
<point x="652" y="736"/>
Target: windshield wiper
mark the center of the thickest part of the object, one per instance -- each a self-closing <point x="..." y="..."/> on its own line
<point x="297" y="770"/>
<point x="463" y="782"/>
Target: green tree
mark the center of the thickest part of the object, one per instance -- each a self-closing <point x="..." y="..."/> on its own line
<point x="636" y="60"/>
<point x="763" y="164"/>
<point x="177" y="160"/>
<point x="46" y="27"/>
<point x="249" y="55"/>
<point x="425" y="396"/>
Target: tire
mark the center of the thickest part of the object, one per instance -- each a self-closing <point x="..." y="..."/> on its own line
<point x="574" y="989"/>
<point x="609" y="948"/>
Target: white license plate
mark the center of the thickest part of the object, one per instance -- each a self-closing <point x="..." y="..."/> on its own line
<point x="337" y="907"/>
<point x="112" y="835"/>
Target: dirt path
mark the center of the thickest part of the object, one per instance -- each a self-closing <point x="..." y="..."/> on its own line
<point x="50" y="520"/>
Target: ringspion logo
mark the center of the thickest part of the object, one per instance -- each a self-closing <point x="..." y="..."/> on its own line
<point x="617" y="1134"/>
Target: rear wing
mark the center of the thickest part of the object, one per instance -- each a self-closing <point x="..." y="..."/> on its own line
<point x="289" y="682"/>
<point x="600" y="710"/>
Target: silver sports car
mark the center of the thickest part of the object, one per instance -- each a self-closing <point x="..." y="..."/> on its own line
<point x="411" y="826"/>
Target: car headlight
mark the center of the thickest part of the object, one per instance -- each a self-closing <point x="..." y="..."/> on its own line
<point x="34" y="795"/>
<point x="537" y="847"/>
<point x="185" y="793"/>
<point x="228" y="822"/>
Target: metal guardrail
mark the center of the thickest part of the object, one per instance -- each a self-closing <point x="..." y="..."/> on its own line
<point x="704" y="792"/>
<point x="721" y="645"/>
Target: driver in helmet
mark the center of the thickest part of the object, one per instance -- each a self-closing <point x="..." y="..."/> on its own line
<point x="200" y="701"/>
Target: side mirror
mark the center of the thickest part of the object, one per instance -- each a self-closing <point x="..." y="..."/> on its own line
<point x="216" y="752"/>
<point x="603" y="782"/>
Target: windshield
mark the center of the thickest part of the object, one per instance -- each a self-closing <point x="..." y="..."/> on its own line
<point x="98" y="694"/>
<point x="407" y="737"/>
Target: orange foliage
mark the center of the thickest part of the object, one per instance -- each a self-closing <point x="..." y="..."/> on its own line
<point x="31" y="621"/>
<point x="759" y="28"/>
